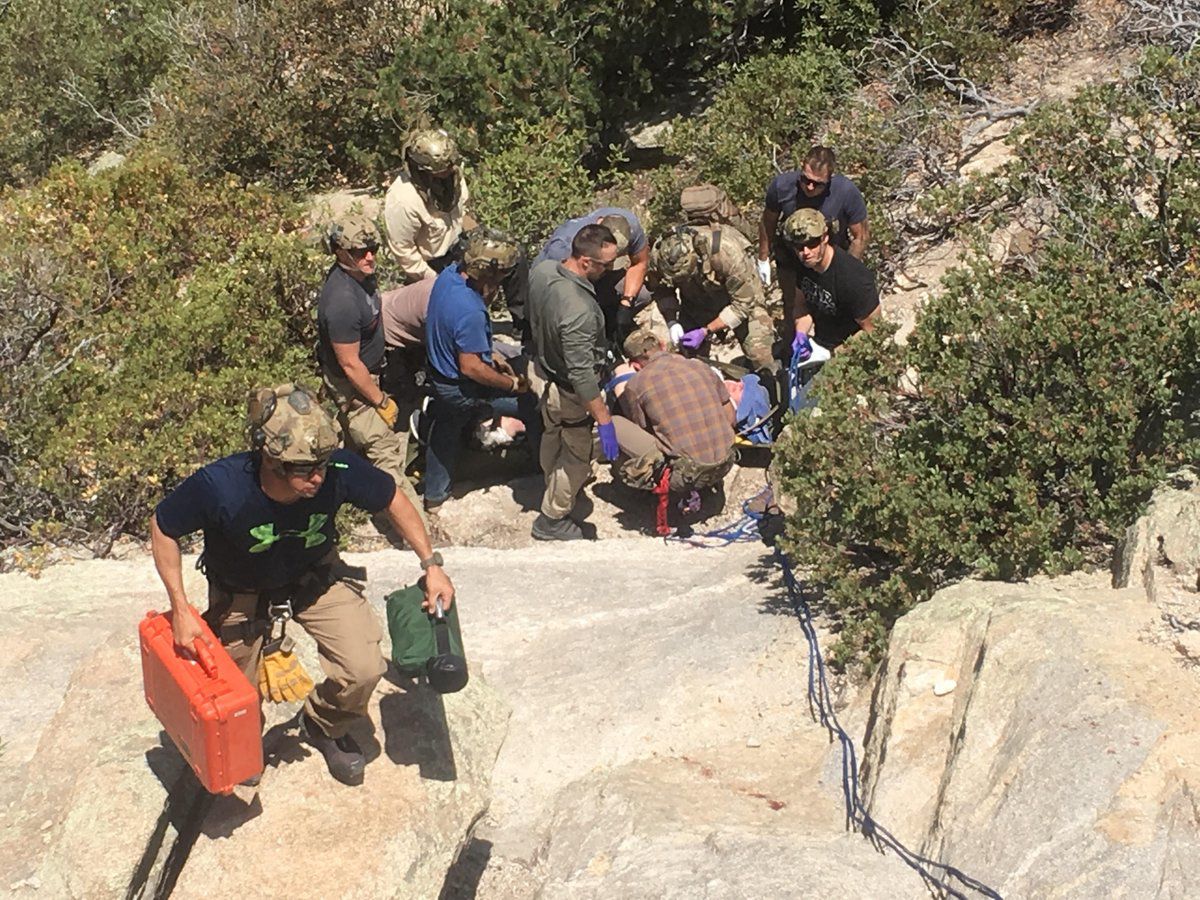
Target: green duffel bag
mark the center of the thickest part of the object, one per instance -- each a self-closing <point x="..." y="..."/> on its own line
<point x="425" y="644"/>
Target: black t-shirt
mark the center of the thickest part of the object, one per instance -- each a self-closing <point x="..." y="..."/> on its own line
<point x="348" y="312"/>
<point x="254" y="543"/>
<point x="838" y="297"/>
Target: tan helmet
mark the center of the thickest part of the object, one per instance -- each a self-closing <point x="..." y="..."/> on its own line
<point x="432" y="150"/>
<point x="619" y="226"/>
<point x="487" y="251"/>
<point x="802" y="226"/>
<point x="287" y="423"/>
<point x="352" y="231"/>
<point x="674" y="255"/>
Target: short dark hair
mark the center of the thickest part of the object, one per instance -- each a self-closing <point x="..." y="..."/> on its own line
<point x="590" y="239"/>
<point x="820" y="158"/>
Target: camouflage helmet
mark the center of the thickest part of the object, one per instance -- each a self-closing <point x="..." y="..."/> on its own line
<point x="432" y="150"/>
<point x="488" y="251"/>
<point x="674" y="255"/>
<point x="352" y="231"/>
<point x="287" y="423"/>
<point x="803" y="226"/>
<point x="619" y="226"/>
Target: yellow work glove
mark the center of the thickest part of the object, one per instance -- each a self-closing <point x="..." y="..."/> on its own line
<point x="388" y="411"/>
<point x="281" y="678"/>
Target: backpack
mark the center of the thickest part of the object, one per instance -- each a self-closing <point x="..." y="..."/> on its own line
<point x="707" y="204"/>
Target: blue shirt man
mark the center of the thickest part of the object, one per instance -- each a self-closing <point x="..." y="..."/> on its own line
<point x="457" y="322"/>
<point x="466" y="380"/>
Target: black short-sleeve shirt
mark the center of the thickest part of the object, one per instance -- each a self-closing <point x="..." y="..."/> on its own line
<point x="838" y="297"/>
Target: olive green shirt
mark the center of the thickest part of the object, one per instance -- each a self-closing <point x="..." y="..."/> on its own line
<point x="568" y="328"/>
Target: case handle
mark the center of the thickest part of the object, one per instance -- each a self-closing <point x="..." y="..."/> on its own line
<point x="205" y="657"/>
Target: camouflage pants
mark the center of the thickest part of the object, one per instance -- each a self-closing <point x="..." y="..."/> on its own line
<point x="756" y="336"/>
<point x="642" y="459"/>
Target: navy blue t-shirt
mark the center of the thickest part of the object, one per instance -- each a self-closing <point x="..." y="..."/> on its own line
<point x="457" y="321"/>
<point x="841" y="204"/>
<point x="254" y="543"/>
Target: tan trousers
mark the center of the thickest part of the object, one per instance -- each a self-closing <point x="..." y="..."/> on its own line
<point x="367" y="433"/>
<point x="347" y="633"/>
<point x="567" y="449"/>
<point x="634" y="440"/>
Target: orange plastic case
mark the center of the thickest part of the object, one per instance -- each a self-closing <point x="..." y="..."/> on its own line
<point x="208" y="707"/>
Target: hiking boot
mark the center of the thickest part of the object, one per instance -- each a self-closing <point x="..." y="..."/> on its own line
<point x="343" y="756"/>
<point x="548" y="529"/>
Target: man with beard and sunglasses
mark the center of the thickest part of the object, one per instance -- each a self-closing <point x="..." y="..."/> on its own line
<point x="815" y="185"/>
<point x="270" y="543"/>
<point x="351" y="349"/>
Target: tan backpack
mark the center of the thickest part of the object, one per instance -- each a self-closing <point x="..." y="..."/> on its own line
<point x="707" y="204"/>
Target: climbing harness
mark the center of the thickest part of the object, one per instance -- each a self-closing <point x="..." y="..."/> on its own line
<point x="935" y="875"/>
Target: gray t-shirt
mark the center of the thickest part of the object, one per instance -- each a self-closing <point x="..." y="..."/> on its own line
<point x="347" y="313"/>
<point x="404" y="312"/>
<point x="558" y="247"/>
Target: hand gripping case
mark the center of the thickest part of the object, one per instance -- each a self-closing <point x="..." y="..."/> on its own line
<point x="208" y="707"/>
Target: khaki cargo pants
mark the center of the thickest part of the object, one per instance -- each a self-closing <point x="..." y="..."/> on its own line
<point x="566" y="451"/>
<point x="366" y="433"/>
<point x="347" y="633"/>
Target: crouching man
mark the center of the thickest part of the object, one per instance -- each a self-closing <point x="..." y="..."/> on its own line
<point x="270" y="543"/>
<point x="677" y="414"/>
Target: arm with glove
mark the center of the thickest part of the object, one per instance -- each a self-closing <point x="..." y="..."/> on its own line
<point x="364" y="382"/>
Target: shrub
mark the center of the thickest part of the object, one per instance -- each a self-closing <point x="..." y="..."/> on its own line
<point x="120" y="370"/>
<point x="284" y="90"/>
<point x="73" y="76"/>
<point x="770" y="109"/>
<point x="1052" y="395"/>
<point x="531" y="187"/>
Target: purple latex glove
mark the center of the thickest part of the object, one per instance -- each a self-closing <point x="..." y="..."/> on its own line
<point x="694" y="338"/>
<point x="801" y="346"/>
<point x="608" y="441"/>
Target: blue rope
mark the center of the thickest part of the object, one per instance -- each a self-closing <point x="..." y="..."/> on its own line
<point x="820" y="706"/>
<point x="820" y="703"/>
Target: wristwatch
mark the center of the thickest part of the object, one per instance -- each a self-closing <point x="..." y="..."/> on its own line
<point x="435" y="559"/>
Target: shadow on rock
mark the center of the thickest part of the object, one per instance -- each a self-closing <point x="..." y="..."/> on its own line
<point x="463" y="877"/>
<point x="415" y="729"/>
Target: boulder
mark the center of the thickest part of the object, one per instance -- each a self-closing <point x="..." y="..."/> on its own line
<point x="1160" y="553"/>
<point x="1029" y="736"/>
<point x="100" y="804"/>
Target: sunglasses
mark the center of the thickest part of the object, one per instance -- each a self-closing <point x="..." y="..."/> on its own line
<point x="303" y="470"/>
<point x="810" y="244"/>
<point x="360" y="252"/>
<point x="605" y="265"/>
<point x="814" y="182"/>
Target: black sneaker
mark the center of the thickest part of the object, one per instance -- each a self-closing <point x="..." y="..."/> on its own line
<point x="343" y="756"/>
<point x="548" y="529"/>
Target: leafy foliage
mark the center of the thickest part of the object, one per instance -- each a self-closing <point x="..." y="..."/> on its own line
<point x="534" y="184"/>
<point x="119" y="371"/>
<point x="73" y="75"/>
<point x="1051" y="395"/>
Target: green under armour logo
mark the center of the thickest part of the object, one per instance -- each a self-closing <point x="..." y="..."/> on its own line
<point x="313" y="536"/>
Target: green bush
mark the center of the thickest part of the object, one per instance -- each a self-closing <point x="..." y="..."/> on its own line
<point x="1052" y="395"/>
<point x="283" y="90"/>
<point x="73" y="75"/>
<point x="139" y="307"/>
<point x="772" y="108"/>
<point x="535" y="184"/>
